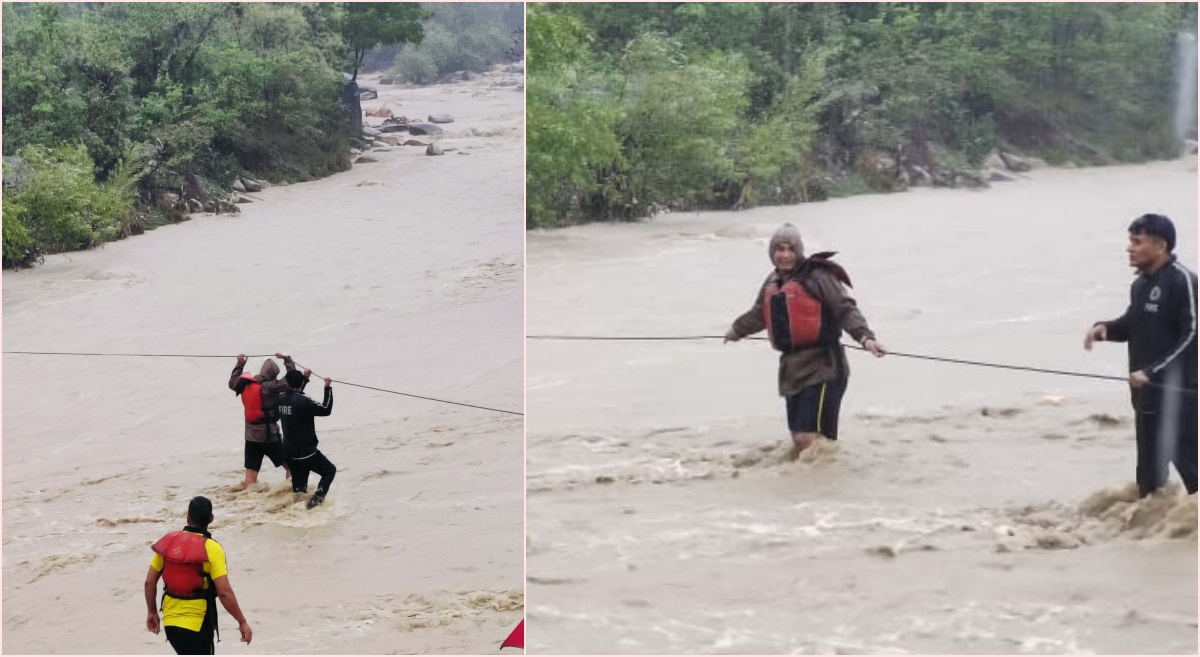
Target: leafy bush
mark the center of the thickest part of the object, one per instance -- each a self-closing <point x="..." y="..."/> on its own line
<point x="62" y="208"/>
<point x="415" y="66"/>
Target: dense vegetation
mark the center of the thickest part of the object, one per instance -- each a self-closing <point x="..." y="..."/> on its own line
<point x="635" y="107"/>
<point x="461" y="36"/>
<point x="119" y="116"/>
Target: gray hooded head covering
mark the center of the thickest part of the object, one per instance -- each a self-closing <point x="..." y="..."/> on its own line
<point x="269" y="371"/>
<point x="786" y="234"/>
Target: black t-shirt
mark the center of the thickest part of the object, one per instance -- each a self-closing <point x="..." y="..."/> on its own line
<point x="1160" y="326"/>
<point x="296" y="413"/>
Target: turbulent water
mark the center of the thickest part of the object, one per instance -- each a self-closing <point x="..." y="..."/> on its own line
<point x="405" y="274"/>
<point x="964" y="510"/>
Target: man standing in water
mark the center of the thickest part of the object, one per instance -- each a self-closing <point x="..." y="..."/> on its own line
<point x="1159" y="327"/>
<point x="805" y="309"/>
<point x="194" y="573"/>
<point x="297" y="411"/>
<point x="259" y="394"/>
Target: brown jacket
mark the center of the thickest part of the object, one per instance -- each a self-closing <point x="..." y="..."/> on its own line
<point x="268" y="430"/>
<point x="805" y="367"/>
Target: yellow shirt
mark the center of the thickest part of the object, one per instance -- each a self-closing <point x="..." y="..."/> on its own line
<point x="189" y="614"/>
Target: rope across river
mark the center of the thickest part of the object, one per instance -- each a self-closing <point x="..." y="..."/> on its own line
<point x="602" y="338"/>
<point x="940" y="359"/>
<point x="345" y="383"/>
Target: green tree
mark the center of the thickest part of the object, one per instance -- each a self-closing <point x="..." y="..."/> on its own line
<point x="369" y="24"/>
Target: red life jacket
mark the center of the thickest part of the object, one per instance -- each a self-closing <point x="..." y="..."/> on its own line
<point x="252" y="398"/>
<point x="183" y="556"/>
<point x="794" y="317"/>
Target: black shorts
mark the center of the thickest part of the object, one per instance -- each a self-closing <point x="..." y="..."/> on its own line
<point x="815" y="409"/>
<point x="188" y="642"/>
<point x="256" y="451"/>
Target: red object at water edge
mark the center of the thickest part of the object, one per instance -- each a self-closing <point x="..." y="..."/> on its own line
<point x="517" y="638"/>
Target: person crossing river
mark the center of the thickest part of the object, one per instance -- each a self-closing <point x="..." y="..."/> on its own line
<point x="296" y="411"/>
<point x="805" y="309"/>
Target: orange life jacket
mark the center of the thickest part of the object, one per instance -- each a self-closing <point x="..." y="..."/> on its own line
<point x="795" y="318"/>
<point x="252" y="399"/>
<point x="183" y="556"/>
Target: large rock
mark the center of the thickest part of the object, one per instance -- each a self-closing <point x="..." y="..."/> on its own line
<point x="238" y="186"/>
<point x="365" y="159"/>
<point x="252" y="185"/>
<point x="393" y="127"/>
<point x="441" y="118"/>
<point x="368" y="131"/>
<point x="367" y="93"/>
<point x="919" y="177"/>
<point x="18" y="174"/>
<point x="995" y="161"/>
<point x="433" y="149"/>
<point x="424" y="129"/>
<point x="1015" y="162"/>
<point x="880" y="171"/>
<point x="459" y="76"/>
<point x="380" y="112"/>
<point x="352" y="106"/>
<point x="970" y="179"/>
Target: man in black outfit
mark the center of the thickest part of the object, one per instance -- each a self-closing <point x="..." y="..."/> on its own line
<point x="296" y="413"/>
<point x="1160" y="329"/>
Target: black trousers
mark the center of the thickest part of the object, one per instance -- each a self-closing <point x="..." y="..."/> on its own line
<point x="1166" y="434"/>
<point x="316" y="463"/>
<point x="187" y="642"/>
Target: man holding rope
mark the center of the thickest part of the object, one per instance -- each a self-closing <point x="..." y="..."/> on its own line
<point x="1159" y="327"/>
<point x="804" y="308"/>
<point x="297" y="412"/>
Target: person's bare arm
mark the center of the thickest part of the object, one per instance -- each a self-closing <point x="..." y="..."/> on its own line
<point x="152" y="621"/>
<point x="229" y="601"/>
